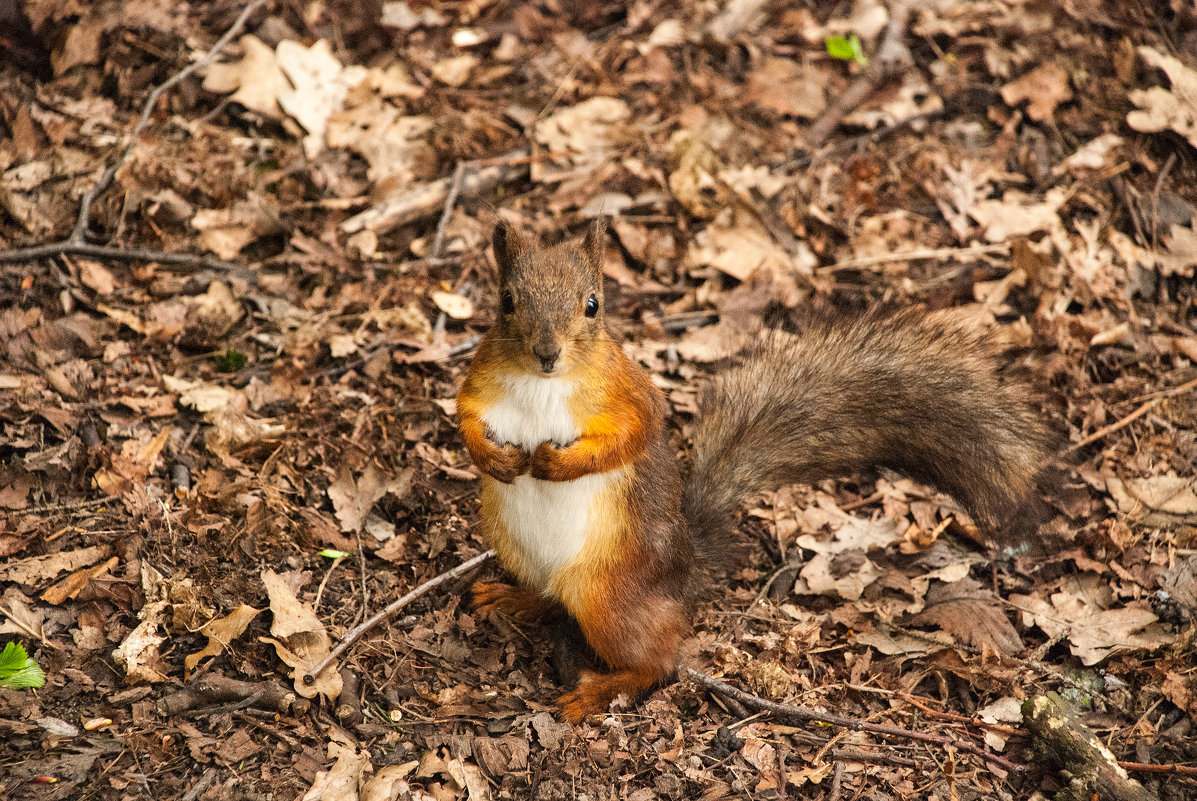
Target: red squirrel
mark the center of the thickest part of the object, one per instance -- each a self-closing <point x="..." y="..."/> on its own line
<point x="583" y="497"/>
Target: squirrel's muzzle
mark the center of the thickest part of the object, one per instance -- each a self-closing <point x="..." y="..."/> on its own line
<point x="548" y="355"/>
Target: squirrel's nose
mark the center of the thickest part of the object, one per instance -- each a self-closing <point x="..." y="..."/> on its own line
<point x="547" y="355"/>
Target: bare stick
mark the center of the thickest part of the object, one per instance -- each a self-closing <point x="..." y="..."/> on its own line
<point x="423" y="200"/>
<point x="390" y="610"/>
<point x="205" y="781"/>
<point x="1173" y="769"/>
<point x="68" y="247"/>
<point x="805" y="715"/>
<point x="447" y="212"/>
<point x="110" y="173"/>
<point x="915" y="255"/>
<point x="1130" y="418"/>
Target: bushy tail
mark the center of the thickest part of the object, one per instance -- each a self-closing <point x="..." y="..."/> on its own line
<point x="916" y="391"/>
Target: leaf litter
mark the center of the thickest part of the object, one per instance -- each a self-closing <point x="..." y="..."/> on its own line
<point x="180" y="443"/>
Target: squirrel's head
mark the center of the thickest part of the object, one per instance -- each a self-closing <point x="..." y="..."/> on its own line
<point x="550" y="298"/>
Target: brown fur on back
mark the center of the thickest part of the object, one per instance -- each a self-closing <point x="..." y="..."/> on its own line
<point x="915" y="391"/>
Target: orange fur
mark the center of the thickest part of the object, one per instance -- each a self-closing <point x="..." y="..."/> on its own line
<point x="516" y="602"/>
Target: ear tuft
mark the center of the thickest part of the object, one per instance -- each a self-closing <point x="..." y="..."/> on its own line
<point x="509" y="246"/>
<point x="595" y="243"/>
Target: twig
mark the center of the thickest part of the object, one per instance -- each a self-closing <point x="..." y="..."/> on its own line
<point x="391" y="608"/>
<point x="1172" y="769"/>
<point x="1130" y="418"/>
<point x="421" y="201"/>
<point x="1155" y="197"/>
<point x="70" y="506"/>
<point x="914" y="255"/>
<point x="1009" y="731"/>
<point x="110" y="173"/>
<point x="837" y="782"/>
<point x="892" y="54"/>
<point x="447" y="212"/>
<point x="805" y="715"/>
<point x="197" y="789"/>
<point x="69" y="248"/>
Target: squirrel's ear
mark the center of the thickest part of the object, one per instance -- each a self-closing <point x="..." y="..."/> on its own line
<point x="595" y="243"/>
<point x="509" y="246"/>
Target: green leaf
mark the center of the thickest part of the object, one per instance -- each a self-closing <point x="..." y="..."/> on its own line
<point x="230" y="361"/>
<point x="333" y="553"/>
<point x="17" y="670"/>
<point x="846" y="49"/>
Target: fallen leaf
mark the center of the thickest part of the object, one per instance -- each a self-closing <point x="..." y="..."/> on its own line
<point x="220" y="632"/>
<point x="353" y="500"/>
<point x="972" y="614"/>
<point x="320" y="83"/>
<point x="256" y="81"/>
<point x="341" y="781"/>
<point x="35" y="569"/>
<point x="138" y="652"/>
<point x="1161" y="109"/>
<point x="97" y="276"/>
<point x="299" y="639"/>
<point x="1172" y="494"/>
<point x="19" y="615"/>
<point x="72" y="585"/>
<point x="1045" y="87"/>
<point x="459" y="307"/>
<point x="456" y="70"/>
<point x="586" y="131"/>
<point x="388" y="783"/>
<point x="1093" y="633"/>
<point x="1018" y="214"/>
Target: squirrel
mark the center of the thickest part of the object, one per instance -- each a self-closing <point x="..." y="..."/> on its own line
<point x="583" y="497"/>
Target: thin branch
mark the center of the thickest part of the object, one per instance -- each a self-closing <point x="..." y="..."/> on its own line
<point x="68" y="247"/>
<point x="1130" y="418"/>
<point x="1172" y="769"/>
<point x="914" y="255"/>
<point x="450" y="200"/>
<point x="390" y="610"/>
<point x="106" y="179"/>
<point x="805" y="715"/>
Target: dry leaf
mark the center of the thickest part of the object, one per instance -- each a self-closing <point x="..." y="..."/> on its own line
<point x="1161" y="109"/>
<point x="353" y="500"/>
<point x="972" y="614"/>
<point x="72" y="585"/>
<point x="1045" y="88"/>
<point x="459" y="307"/>
<point x="456" y="70"/>
<point x="255" y="81"/>
<point x="340" y="782"/>
<point x="138" y="652"/>
<point x="220" y="632"/>
<point x="1093" y="633"/>
<point x="320" y="85"/>
<point x="299" y="639"/>
<point x="35" y="569"/>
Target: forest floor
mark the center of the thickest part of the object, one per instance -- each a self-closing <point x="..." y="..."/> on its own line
<point x="227" y="385"/>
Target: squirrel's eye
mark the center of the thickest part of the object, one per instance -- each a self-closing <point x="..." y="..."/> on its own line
<point x="507" y="303"/>
<point x="591" y="306"/>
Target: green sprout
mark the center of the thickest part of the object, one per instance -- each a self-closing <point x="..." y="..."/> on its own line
<point x="333" y="553"/>
<point x="17" y="670"/>
<point x="847" y="49"/>
<point x="230" y="361"/>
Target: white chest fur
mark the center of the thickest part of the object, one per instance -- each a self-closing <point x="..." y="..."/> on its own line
<point x="548" y="521"/>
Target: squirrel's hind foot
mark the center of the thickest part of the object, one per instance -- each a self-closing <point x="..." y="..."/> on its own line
<point x="515" y="602"/>
<point x="595" y="692"/>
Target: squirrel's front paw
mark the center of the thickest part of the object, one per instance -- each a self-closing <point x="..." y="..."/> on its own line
<point x="546" y="462"/>
<point x="506" y="463"/>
